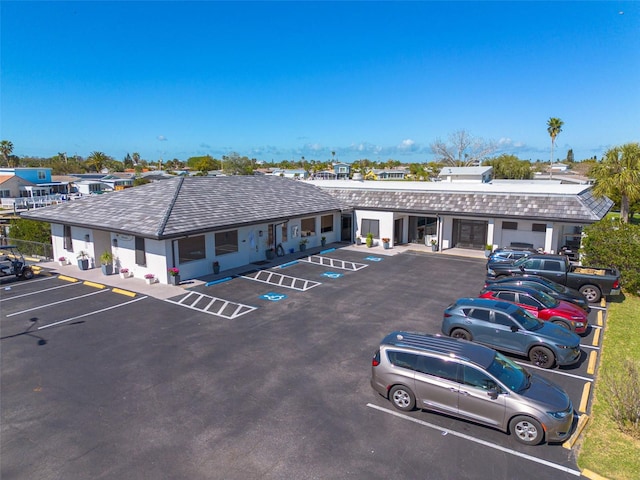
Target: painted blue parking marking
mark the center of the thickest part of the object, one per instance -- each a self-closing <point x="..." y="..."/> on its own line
<point x="273" y="297"/>
<point x="373" y="259"/>
<point x="225" y="279"/>
<point x="332" y="275"/>
<point x="327" y="251"/>
<point x="285" y="265"/>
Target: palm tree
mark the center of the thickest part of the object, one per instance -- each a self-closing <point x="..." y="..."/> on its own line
<point x="98" y="160"/>
<point x="6" y="148"/>
<point x="554" y="127"/>
<point x="136" y="158"/>
<point x="618" y="175"/>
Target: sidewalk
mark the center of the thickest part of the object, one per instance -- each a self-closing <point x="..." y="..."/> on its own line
<point x="162" y="291"/>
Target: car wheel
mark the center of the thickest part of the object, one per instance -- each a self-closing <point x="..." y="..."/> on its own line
<point x="461" y="333"/>
<point x="402" y="398"/>
<point x="591" y="293"/>
<point x="561" y="323"/>
<point x="526" y="430"/>
<point x="27" y="274"/>
<point x="542" y="357"/>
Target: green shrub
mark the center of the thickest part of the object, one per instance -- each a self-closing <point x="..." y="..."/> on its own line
<point x="369" y="239"/>
<point x="610" y="243"/>
<point x="622" y="391"/>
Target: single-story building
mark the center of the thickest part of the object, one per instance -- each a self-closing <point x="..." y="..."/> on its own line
<point x="544" y="215"/>
<point x="191" y="222"/>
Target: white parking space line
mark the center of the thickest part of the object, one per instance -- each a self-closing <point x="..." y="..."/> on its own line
<point x="91" y="313"/>
<point x="39" y="291"/>
<point x="477" y="440"/>
<point x="10" y="286"/>
<point x="56" y="303"/>
<point x="285" y="281"/>
<point x="334" y="263"/>
<point x="528" y="366"/>
<point x="213" y="305"/>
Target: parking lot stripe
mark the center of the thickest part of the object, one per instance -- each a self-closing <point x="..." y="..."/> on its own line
<point x="92" y="313"/>
<point x="584" y="401"/>
<point x="596" y="337"/>
<point x="334" y="263"/>
<point x="557" y="372"/>
<point x="477" y="440"/>
<point x="591" y="367"/>
<point x="39" y="291"/>
<point x="56" y="303"/>
<point x="599" y="318"/>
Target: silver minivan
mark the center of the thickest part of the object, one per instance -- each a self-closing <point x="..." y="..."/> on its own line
<point x="472" y="382"/>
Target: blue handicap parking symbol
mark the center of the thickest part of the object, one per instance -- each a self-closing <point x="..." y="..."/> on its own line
<point x="332" y="275"/>
<point x="374" y="259"/>
<point x="273" y="297"/>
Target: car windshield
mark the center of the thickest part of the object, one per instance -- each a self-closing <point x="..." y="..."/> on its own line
<point x="547" y="300"/>
<point x="527" y="320"/>
<point x="553" y="286"/>
<point x="510" y="374"/>
<point x="520" y="261"/>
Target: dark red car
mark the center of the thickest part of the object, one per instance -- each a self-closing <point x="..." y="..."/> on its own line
<point x="540" y="304"/>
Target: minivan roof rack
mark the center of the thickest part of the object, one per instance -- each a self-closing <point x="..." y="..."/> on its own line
<point x="425" y="342"/>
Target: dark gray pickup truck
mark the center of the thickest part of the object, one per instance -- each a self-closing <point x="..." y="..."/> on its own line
<point x="592" y="282"/>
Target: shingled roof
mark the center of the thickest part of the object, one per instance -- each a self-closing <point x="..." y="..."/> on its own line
<point x="189" y="205"/>
<point x="582" y="207"/>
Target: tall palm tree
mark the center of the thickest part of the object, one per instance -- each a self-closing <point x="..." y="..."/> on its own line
<point x="136" y="158"/>
<point x="618" y="174"/>
<point x="6" y="148"/>
<point x="554" y="127"/>
<point x="98" y="160"/>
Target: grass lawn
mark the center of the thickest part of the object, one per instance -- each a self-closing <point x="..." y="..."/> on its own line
<point x="605" y="450"/>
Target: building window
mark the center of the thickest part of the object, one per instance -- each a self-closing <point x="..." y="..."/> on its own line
<point x="509" y="225"/>
<point x="191" y="248"/>
<point x="226" y="242"/>
<point x="308" y="227"/>
<point x="5" y="193"/>
<point x="141" y="256"/>
<point x="370" y="226"/>
<point x="539" y="227"/>
<point x="68" y="244"/>
<point x="42" y="175"/>
<point x="283" y="228"/>
<point x="326" y="223"/>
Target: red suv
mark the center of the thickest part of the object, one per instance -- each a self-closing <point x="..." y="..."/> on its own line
<point x="540" y="304"/>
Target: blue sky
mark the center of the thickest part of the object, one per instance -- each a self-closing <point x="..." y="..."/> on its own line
<point x="282" y="80"/>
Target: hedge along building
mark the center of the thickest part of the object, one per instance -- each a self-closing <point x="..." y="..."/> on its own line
<point x="541" y="214"/>
<point x="190" y="222"/>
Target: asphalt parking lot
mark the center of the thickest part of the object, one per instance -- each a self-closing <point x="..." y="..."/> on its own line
<point x="265" y="375"/>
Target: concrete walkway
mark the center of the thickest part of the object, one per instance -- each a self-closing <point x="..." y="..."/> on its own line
<point x="163" y="291"/>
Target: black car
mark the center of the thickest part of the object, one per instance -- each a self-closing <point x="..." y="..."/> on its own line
<point x="551" y="288"/>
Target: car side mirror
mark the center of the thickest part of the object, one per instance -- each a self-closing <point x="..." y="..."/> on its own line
<point x="514" y="328"/>
<point x="493" y="393"/>
<point x="522" y="268"/>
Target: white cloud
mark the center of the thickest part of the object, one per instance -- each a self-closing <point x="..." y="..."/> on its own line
<point x="162" y="138"/>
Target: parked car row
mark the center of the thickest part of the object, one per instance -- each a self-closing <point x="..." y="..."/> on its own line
<point x="465" y="375"/>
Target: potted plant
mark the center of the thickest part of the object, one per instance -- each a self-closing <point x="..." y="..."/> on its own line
<point x="303" y="244"/>
<point x="358" y="240"/>
<point x="369" y="240"/>
<point x="323" y="240"/>
<point x="488" y="248"/>
<point x="216" y="267"/>
<point x="106" y="262"/>
<point x="125" y="273"/>
<point x="150" y="278"/>
<point x="385" y="243"/>
<point x="83" y="260"/>
<point x="174" y="275"/>
<point x="434" y="245"/>
<point x="270" y="253"/>
<point x="62" y="261"/>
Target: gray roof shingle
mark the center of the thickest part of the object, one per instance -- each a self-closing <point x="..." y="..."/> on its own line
<point x="581" y="208"/>
<point x="189" y="205"/>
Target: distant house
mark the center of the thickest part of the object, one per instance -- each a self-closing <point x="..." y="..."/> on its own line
<point x="30" y="187"/>
<point x="342" y="170"/>
<point x="391" y="173"/>
<point x="466" y="174"/>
